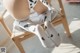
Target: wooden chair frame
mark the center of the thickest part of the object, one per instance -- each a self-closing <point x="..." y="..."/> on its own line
<point x="17" y="40"/>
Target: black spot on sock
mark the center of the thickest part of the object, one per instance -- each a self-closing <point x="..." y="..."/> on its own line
<point x="26" y="25"/>
<point x="51" y="35"/>
<point x="45" y="18"/>
<point x="31" y="7"/>
<point x="42" y="1"/>
<point x="35" y="2"/>
<point x="58" y="34"/>
<point x="30" y="4"/>
<point x="45" y="27"/>
<point x="43" y="38"/>
<point x="45" y="13"/>
<point x="31" y="0"/>
<point x="47" y="3"/>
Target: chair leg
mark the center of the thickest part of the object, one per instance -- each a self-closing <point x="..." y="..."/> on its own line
<point x="18" y="44"/>
<point x="5" y="26"/>
<point x="65" y="24"/>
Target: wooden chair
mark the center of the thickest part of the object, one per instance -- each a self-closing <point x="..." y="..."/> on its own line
<point x="62" y="19"/>
<point x="22" y="36"/>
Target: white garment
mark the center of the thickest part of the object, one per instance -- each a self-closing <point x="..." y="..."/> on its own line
<point x="48" y="35"/>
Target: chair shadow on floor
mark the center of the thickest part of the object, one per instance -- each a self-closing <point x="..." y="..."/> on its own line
<point x="73" y="42"/>
<point x="76" y="38"/>
<point x="70" y="45"/>
<point x="78" y="52"/>
<point x="74" y="25"/>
